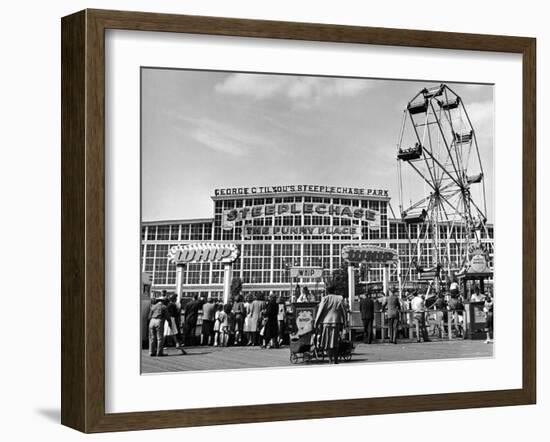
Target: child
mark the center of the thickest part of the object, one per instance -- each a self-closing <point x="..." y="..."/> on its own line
<point x="218" y="319"/>
<point x="227" y="324"/>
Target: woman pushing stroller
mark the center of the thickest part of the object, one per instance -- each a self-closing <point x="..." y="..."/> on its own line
<point x="332" y="318"/>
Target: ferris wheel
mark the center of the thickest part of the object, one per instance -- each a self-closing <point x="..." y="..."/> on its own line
<point x="441" y="180"/>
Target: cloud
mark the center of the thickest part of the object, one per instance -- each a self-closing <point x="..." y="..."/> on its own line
<point x="481" y="115"/>
<point x="304" y="91"/>
<point x="472" y="87"/>
<point x="223" y="137"/>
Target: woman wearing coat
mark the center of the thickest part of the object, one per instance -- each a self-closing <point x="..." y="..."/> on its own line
<point x="331" y="316"/>
<point x="254" y="316"/>
<point x="271" y="324"/>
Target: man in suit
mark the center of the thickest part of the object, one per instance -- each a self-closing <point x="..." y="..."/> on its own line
<point x="331" y="315"/>
<point x="392" y="306"/>
<point x="366" y="306"/>
<point x="191" y="313"/>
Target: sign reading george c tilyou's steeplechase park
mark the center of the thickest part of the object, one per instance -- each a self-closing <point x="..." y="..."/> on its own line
<point x="301" y="188"/>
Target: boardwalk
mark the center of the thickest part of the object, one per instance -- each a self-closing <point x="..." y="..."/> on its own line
<point x="217" y="358"/>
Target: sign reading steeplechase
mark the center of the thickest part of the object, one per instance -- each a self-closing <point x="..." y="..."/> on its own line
<point x="301" y="188"/>
<point x="372" y="217"/>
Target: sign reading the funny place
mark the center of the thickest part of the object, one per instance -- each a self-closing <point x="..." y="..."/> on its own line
<point x="203" y="252"/>
<point x="368" y="254"/>
<point x="301" y="230"/>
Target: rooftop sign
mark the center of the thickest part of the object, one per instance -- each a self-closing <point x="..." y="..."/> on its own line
<point x="314" y="209"/>
<point x="203" y="252"/>
<point x="300" y="188"/>
<point x="368" y="254"/>
<point x="306" y="272"/>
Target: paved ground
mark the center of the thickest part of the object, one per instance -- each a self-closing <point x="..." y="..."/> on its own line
<point x="218" y="358"/>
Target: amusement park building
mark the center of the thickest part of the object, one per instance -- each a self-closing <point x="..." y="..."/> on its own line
<point x="290" y="226"/>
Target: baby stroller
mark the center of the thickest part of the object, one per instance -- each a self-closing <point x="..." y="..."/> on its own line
<point x="304" y="347"/>
<point x="345" y="350"/>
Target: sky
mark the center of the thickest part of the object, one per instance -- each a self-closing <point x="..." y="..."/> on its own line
<point x="203" y="130"/>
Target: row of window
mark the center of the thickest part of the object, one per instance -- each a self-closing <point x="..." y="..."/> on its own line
<point x="403" y="231"/>
<point x="270" y="263"/>
<point x="206" y="232"/>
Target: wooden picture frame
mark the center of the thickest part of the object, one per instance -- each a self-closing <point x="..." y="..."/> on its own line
<point x="83" y="220"/>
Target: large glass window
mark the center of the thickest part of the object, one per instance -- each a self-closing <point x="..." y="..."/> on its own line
<point x="163" y="233"/>
<point x="175" y="232"/>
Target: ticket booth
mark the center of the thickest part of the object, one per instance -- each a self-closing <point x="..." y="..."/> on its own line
<point x="366" y="255"/>
<point x="474" y="320"/>
<point x="475" y="273"/>
<point x="305" y="276"/>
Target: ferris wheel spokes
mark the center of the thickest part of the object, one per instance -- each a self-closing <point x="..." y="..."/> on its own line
<point x="443" y="152"/>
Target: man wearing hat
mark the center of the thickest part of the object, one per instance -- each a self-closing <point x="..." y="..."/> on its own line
<point x="366" y="306"/>
<point x="392" y="306"/>
<point x="207" y="327"/>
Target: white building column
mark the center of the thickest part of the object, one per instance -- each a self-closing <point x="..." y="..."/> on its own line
<point x="351" y="284"/>
<point x="385" y="279"/>
<point x="227" y="276"/>
<point x="179" y="280"/>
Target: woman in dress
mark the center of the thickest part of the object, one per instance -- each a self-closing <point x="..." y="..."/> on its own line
<point x="281" y="318"/>
<point x="254" y="314"/>
<point x="331" y="315"/>
<point x="271" y="323"/>
<point x="227" y="326"/>
<point x="218" y="319"/>
<point x="246" y="326"/>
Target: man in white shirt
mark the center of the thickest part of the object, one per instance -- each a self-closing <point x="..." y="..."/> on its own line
<point x="476" y="296"/>
<point x="419" y="310"/>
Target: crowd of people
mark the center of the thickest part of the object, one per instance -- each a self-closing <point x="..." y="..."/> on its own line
<point x="420" y="307"/>
<point x="251" y="321"/>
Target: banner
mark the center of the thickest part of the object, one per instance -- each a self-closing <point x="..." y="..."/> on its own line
<point x="301" y="230"/>
<point x="301" y="188"/>
<point x="306" y="272"/>
<point x="369" y="254"/>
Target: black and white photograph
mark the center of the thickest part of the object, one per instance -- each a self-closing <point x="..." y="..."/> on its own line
<point x="300" y="220"/>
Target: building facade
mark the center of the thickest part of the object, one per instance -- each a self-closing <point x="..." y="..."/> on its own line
<point x="277" y="228"/>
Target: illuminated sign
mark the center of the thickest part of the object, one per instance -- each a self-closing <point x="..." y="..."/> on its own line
<point x="301" y="230"/>
<point x="203" y="252"/>
<point x="229" y="217"/>
<point x="298" y="209"/>
<point x="300" y="188"/>
<point x="374" y="254"/>
<point x="306" y="272"/>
